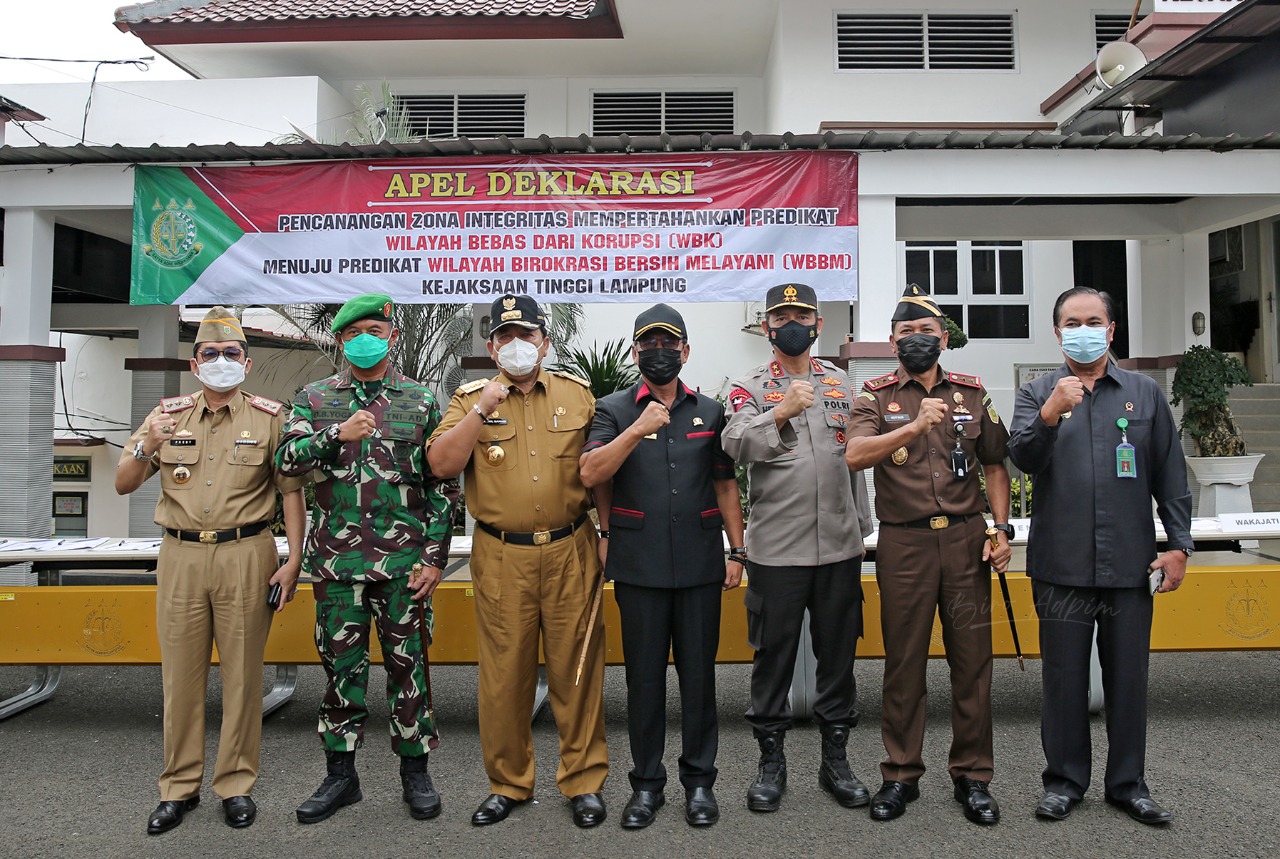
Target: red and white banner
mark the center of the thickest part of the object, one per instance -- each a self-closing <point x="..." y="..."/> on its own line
<point x="595" y="228"/>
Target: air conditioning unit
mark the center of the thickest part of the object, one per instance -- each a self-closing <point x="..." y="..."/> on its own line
<point x="753" y="315"/>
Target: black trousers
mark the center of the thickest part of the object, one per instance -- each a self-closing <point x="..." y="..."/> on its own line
<point x="776" y="599"/>
<point x="1068" y="617"/>
<point x="685" y="622"/>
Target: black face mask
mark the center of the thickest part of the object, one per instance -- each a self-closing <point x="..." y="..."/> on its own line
<point x="919" y="352"/>
<point x="794" y="338"/>
<point x="660" y="365"/>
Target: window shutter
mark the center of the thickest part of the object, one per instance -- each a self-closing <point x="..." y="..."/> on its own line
<point x="1109" y="27"/>
<point x="879" y="41"/>
<point x="925" y="41"/>
<point x="640" y="113"/>
<point x="971" y="42"/>
<point x="471" y="115"/>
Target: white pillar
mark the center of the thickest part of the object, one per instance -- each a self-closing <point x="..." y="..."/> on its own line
<point x="26" y="291"/>
<point x="878" y="290"/>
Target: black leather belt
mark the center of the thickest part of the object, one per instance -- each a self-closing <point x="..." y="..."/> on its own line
<point x="934" y="523"/>
<point x="537" y="538"/>
<point x="218" y="536"/>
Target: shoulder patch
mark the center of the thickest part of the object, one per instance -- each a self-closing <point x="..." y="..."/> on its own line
<point x="739" y="397"/>
<point x="881" y="382"/>
<point x="169" y="405"/>
<point x="962" y="379"/>
<point x="271" y="407"/>
<point x="471" y="387"/>
<point x="572" y="378"/>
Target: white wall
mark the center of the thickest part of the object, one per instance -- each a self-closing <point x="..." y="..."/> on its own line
<point x="249" y="112"/>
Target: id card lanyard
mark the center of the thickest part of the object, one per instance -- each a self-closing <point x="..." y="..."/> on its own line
<point x="1126" y="463"/>
<point x="959" y="462"/>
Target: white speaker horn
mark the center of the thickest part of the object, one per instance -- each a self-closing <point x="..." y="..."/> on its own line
<point x="1118" y="61"/>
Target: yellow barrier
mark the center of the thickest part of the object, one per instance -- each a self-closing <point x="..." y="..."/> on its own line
<point x="1217" y="608"/>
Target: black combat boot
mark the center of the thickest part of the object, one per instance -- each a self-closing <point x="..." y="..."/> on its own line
<point x="340" y="787"/>
<point x="419" y="792"/>
<point x="834" y="776"/>
<point x="765" y="793"/>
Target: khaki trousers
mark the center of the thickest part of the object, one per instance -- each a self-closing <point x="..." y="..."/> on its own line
<point x="208" y="593"/>
<point x="522" y="592"/>
<point x="921" y="572"/>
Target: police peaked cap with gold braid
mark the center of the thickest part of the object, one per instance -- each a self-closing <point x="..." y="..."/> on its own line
<point x="791" y="295"/>
<point x="218" y="326"/>
<point x="370" y="306"/>
<point x="915" y="304"/>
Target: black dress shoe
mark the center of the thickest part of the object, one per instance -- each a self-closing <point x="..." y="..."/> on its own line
<point x="588" y="810"/>
<point x="494" y="809"/>
<point x="700" y="807"/>
<point x="240" y="811"/>
<point x="642" y="808"/>
<point x="979" y="807"/>
<point x="1143" y="809"/>
<point x="1055" y="806"/>
<point x="891" y="800"/>
<point x="168" y="814"/>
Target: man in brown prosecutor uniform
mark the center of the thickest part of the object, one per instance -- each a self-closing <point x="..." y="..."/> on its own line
<point x="534" y="561"/>
<point x="214" y="451"/>
<point x="924" y="430"/>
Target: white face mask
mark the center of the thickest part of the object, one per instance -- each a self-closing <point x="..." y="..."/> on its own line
<point x="221" y="374"/>
<point x="518" y="357"/>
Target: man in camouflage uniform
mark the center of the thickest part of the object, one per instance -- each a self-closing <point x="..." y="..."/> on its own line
<point x="378" y="544"/>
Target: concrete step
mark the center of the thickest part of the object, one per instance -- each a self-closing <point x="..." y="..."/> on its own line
<point x="1252" y="424"/>
<point x="1255" y="392"/>
<point x="1255" y="406"/>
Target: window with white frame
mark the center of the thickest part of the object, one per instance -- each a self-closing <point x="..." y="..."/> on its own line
<point x="981" y="285"/>
<point x="938" y="41"/>
<point x="1110" y="27"/>
<point x="437" y="117"/>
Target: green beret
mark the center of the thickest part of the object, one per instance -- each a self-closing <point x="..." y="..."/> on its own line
<point x="371" y="306"/>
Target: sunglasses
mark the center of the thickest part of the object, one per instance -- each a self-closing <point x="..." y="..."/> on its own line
<point x="231" y="353"/>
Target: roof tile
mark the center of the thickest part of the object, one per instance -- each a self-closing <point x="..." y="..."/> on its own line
<point x="209" y="11"/>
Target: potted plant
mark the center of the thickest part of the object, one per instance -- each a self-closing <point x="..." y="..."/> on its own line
<point x="1223" y="466"/>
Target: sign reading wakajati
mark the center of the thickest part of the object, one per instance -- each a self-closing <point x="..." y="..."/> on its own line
<point x="592" y="228"/>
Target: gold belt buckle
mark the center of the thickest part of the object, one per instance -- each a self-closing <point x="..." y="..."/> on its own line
<point x="937" y="523"/>
<point x="541" y="538"/>
<point x="208" y="536"/>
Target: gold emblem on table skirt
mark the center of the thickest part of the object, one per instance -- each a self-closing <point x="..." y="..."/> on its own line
<point x="495" y="455"/>
<point x="899" y="456"/>
<point x="181" y="474"/>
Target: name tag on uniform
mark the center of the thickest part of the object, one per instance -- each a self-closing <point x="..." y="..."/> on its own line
<point x="250" y="441"/>
<point x="182" y="442"/>
<point x="900" y="417"/>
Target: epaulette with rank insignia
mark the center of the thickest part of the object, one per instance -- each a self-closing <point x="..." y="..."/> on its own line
<point x="169" y="405"/>
<point x="471" y="387"/>
<point x="572" y="378"/>
<point x="962" y="379"/>
<point x="271" y="407"/>
<point x="881" y="382"/>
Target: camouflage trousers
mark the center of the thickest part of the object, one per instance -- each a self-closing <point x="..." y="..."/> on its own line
<point x="343" y="614"/>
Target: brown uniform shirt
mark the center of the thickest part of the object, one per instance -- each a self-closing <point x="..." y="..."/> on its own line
<point x="217" y="469"/>
<point x="533" y="484"/>
<point x="916" y="480"/>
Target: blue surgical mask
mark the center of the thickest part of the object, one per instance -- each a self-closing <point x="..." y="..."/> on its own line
<point x="1085" y="344"/>
<point x="365" y="350"/>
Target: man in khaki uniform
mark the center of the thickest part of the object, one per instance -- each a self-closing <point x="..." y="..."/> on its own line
<point x="214" y="453"/>
<point x="534" y="561"/>
<point x="926" y="432"/>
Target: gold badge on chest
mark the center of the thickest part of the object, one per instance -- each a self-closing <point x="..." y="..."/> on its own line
<point x="181" y="474"/>
<point x="495" y="454"/>
<point x="899" y="456"/>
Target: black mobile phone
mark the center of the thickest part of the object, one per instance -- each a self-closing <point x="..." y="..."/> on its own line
<point x="273" y="595"/>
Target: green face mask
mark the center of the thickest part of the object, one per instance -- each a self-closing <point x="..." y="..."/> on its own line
<point x="365" y="350"/>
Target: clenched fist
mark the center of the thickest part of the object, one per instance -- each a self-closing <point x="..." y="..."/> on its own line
<point x="1067" y="394"/>
<point x="160" y="431"/>
<point x="360" y="425"/>
<point x="799" y="396"/>
<point x="654" y="417"/>
<point x="493" y="394"/>
<point x="932" y="412"/>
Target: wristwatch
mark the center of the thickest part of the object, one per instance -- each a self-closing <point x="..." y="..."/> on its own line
<point x="738" y="554"/>
<point x="332" y="432"/>
<point x="141" y="455"/>
<point x="1187" y="552"/>
<point x="1006" y="528"/>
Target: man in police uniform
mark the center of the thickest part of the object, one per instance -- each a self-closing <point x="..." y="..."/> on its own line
<point x="213" y="451"/>
<point x="533" y="562"/>
<point x="662" y="481"/>
<point x="809" y="515"/>
<point x="924" y="429"/>
<point x="378" y="544"/>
